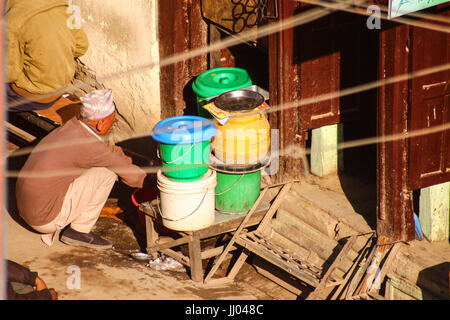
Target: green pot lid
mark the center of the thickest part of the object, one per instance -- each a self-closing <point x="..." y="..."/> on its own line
<point x="219" y="80"/>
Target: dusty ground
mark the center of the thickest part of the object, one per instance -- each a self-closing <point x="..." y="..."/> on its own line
<point x="112" y="274"/>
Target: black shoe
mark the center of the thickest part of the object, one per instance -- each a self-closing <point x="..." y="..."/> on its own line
<point x="90" y="240"/>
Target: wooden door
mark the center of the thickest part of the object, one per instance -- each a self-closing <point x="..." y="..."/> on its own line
<point x="429" y="161"/>
<point x="317" y="54"/>
<point x="395" y="207"/>
<point x="334" y="53"/>
<point x="407" y="106"/>
<point x="180" y="29"/>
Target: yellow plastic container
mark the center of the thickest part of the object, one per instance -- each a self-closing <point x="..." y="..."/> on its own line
<point x="242" y="140"/>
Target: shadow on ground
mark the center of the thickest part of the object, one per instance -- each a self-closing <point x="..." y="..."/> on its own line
<point x="436" y="280"/>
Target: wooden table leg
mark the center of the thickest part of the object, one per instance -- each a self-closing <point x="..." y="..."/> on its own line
<point x="195" y="259"/>
<point x="151" y="235"/>
<point x="237" y="265"/>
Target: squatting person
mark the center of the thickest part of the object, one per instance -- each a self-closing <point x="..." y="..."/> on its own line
<point x="69" y="175"/>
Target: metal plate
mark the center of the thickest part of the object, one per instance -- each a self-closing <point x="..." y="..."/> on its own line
<point x="220" y="166"/>
<point x="141" y="256"/>
<point x="239" y="100"/>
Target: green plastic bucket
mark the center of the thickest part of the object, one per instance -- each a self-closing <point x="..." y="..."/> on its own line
<point x="237" y="192"/>
<point x="184" y="146"/>
<point x="185" y="162"/>
<point x="216" y="81"/>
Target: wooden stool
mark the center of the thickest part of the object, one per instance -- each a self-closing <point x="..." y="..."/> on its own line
<point x="62" y="110"/>
<point x="224" y="223"/>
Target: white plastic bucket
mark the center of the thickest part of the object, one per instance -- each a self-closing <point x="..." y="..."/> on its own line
<point x="187" y="206"/>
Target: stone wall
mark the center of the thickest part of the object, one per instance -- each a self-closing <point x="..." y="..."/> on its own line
<point x="122" y="52"/>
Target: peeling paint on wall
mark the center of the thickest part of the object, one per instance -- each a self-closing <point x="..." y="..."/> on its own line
<point x="123" y="37"/>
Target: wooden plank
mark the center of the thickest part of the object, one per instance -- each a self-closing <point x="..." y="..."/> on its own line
<point x="168" y="244"/>
<point x="370" y="279"/>
<point x="229" y="225"/>
<point x="151" y="235"/>
<point x="284" y="86"/>
<point x="278" y="262"/>
<point x="166" y="16"/>
<point x="20" y="133"/>
<point x="233" y="239"/>
<point x="336" y="263"/>
<point x="389" y="291"/>
<point x="268" y="215"/>
<point x="195" y="259"/>
<point x="209" y="253"/>
<point x="147" y="209"/>
<point x="368" y="296"/>
<point x="350" y="272"/>
<point x="282" y="252"/>
<point x="376" y="296"/>
<point x="198" y="39"/>
<point x="359" y="274"/>
<point x="394" y="283"/>
<point x="218" y="281"/>
<point x="177" y="256"/>
<point x="395" y="207"/>
<point x="237" y="265"/>
<point x="232" y="224"/>
<point x="193" y="238"/>
<point x="273" y="208"/>
<point x="385" y="269"/>
<point x="180" y="29"/>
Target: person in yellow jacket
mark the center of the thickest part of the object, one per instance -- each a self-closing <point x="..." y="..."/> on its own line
<point x="41" y="51"/>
